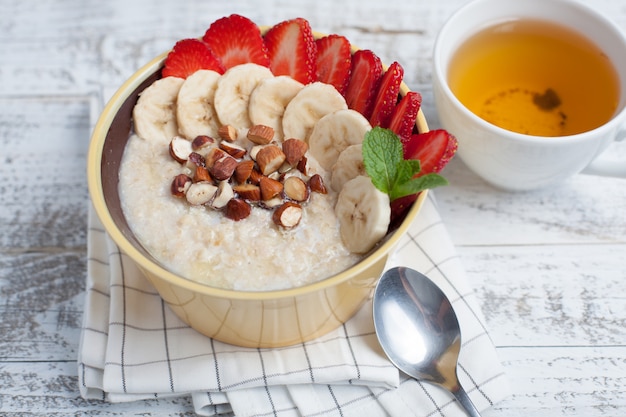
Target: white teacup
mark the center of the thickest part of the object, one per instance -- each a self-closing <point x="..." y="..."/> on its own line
<point x="515" y="161"/>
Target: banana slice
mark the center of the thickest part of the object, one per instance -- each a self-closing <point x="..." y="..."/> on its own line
<point x="335" y="132"/>
<point x="349" y="165"/>
<point x="232" y="95"/>
<point x="269" y="100"/>
<point x="313" y="102"/>
<point x="194" y="108"/>
<point x="154" y="115"/>
<point x="364" y="214"/>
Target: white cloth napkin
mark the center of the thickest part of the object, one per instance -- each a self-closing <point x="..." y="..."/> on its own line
<point x="133" y="347"/>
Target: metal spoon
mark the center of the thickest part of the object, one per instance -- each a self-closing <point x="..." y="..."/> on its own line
<point x="418" y="330"/>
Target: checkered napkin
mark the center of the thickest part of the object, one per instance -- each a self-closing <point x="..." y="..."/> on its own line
<point x="133" y="347"/>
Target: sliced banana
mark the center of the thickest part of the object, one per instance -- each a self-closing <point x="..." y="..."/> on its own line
<point x="232" y="95"/>
<point x="269" y="100"/>
<point x="364" y="214"/>
<point x="349" y="165"/>
<point x="313" y="102"/>
<point x="154" y="115"/>
<point x="194" y="109"/>
<point x="335" y="132"/>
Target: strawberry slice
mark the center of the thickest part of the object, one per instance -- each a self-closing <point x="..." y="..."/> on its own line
<point x="365" y="74"/>
<point x="188" y="56"/>
<point x="236" y="40"/>
<point x="434" y="149"/>
<point x="292" y="50"/>
<point x="333" y="61"/>
<point x="387" y="95"/>
<point x="404" y="115"/>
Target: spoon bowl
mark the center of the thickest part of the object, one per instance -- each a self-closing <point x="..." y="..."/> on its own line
<point x="419" y="331"/>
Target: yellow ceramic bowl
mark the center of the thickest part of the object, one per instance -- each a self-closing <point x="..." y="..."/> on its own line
<point x="251" y="319"/>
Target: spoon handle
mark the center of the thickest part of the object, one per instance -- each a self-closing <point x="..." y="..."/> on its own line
<point x="465" y="402"/>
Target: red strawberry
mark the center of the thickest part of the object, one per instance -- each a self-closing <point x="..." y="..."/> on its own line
<point x="387" y="95"/>
<point x="400" y="208"/>
<point x="333" y="61"/>
<point x="434" y="149"/>
<point x="236" y="40"/>
<point x="292" y="50"/>
<point x="365" y="74"/>
<point x="404" y="115"/>
<point x="188" y="56"/>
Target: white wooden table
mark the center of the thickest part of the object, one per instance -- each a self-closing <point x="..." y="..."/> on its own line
<point x="549" y="267"/>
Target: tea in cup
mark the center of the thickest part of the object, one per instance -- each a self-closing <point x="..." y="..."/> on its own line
<point x="534" y="91"/>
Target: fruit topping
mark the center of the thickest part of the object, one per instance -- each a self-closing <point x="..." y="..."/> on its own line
<point x="333" y="62"/>
<point x="387" y="95"/>
<point x="292" y="50"/>
<point x="404" y="115"/>
<point x="365" y="74"/>
<point x="434" y="149"/>
<point x="189" y="56"/>
<point x="236" y="40"/>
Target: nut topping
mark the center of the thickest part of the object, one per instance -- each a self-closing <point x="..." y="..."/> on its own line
<point x="316" y="184"/>
<point x="201" y="174"/>
<point x="269" y="159"/>
<point x="201" y="142"/>
<point x="224" y="194"/>
<point x="227" y="132"/>
<point x="223" y="168"/>
<point x="295" y="189"/>
<point x="287" y="215"/>
<point x="180" y="185"/>
<point x="180" y="148"/>
<point x="233" y="149"/>
<point x="294" y="150"/>
<point x="200" y="193"/>
<point x="248" y="192"/>
<point x="237" y="209"/>
<point x="243" y="171"/>
<point x="270" y="188"/>
<point x="260" y="134"/>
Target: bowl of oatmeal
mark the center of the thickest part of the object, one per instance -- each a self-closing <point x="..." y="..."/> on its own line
<point x="257" y="279"/>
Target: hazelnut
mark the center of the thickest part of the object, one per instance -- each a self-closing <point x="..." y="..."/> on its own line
<point x="287" y="215"/>
<point x="269" y="159"/>
<point x="180" y="148"/>
<point x="237" y="209"/>
<point x="180" y="185"/>
<point x="316" y="184"/>
<point x="200" y="193"/>
<point x="202" y="142"/>
<point x="223" y="168"/>
<point x="260" y="134"/>
<point x="303" y="165"/>
<point x="295" y="189"/>
<point x="233" y="149"/>
<point x="223" y="195"/>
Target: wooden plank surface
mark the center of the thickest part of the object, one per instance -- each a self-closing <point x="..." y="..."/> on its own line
<point x="548" y="266"/>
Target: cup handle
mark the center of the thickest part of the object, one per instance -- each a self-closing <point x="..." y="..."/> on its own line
<point x="608" y="167"/>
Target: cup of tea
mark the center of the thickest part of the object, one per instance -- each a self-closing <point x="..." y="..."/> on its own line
<point x="533" y="90"/>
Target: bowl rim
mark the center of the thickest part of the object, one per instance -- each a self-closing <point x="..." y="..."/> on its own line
<point x="96" y="193"/>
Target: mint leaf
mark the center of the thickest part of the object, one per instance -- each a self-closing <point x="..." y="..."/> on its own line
<point x="385" y="164"/>
<point x="416" y="185"/>
<point x="382" y="152"/>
